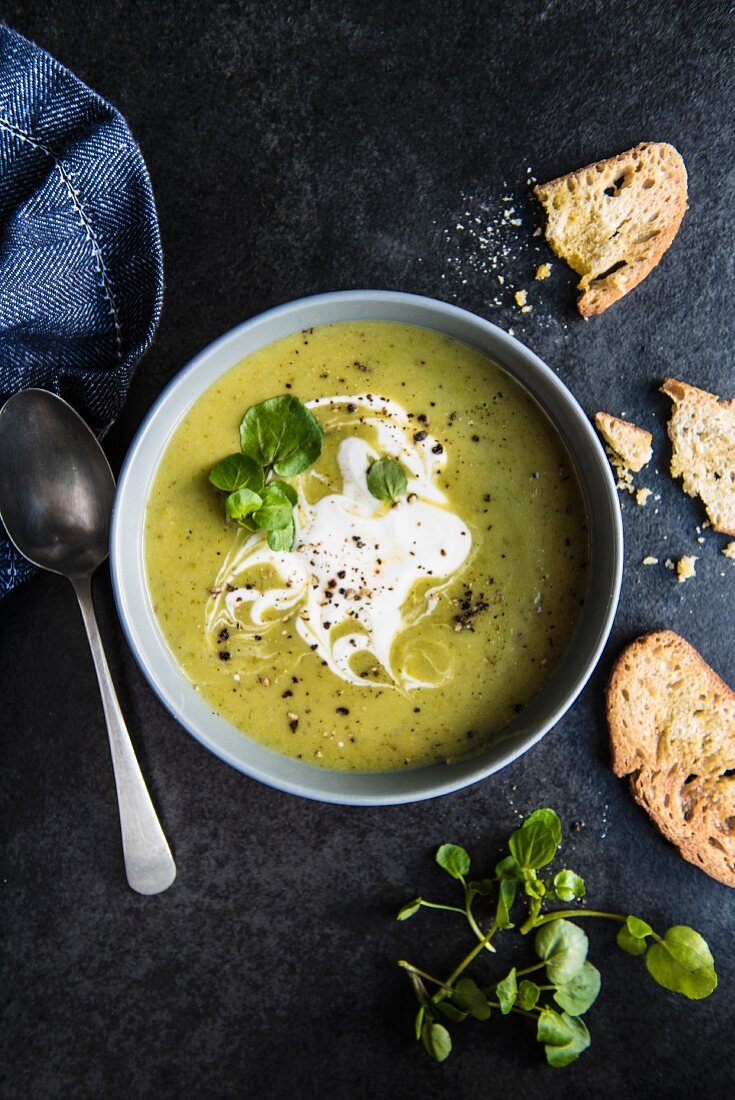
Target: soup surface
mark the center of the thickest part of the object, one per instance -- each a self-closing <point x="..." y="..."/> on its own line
<point x="394" y="634"/>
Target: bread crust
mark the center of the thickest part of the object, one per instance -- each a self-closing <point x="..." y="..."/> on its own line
<point x="600" y="290"/>
<point x="671" y="721"/>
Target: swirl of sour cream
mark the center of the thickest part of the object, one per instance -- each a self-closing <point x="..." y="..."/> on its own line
<point x="356" y="560"/>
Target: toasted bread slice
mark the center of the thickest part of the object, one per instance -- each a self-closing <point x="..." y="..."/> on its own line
<point x="613" y="220"/>
<point x="702" y="434"/>
<point x="672" y="729"/>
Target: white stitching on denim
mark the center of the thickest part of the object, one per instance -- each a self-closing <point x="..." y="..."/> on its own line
<point x="76" y="202"/>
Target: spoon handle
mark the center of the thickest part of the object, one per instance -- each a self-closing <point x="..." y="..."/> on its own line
<point x="149" y="865"/>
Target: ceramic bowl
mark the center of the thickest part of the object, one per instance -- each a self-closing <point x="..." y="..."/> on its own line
<point x="235" y="747"/>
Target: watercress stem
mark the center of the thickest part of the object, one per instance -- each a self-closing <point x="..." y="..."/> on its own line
<point x="436" y="905"/>
<point x="561" y="914"/>
<point x="472" y="955"/>
<point x="530" y="969"/>
<point x="476" y="928"/>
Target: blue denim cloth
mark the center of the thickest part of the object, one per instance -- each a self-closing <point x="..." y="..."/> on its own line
<point x="81" y="270"/>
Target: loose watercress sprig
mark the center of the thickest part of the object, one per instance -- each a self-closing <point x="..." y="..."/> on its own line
<point x="278" y="436"/>
<point x="680" y="960"/>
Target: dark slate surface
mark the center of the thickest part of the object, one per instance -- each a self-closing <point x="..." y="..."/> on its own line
<point x="297" y="148"/>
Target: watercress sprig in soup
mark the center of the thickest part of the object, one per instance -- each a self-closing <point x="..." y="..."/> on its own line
<point x="280" y="436"/>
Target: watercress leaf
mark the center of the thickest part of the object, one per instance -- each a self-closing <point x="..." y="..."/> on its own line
<point x="638" y="928"/>
<point x="506" y="896"/>
<point x="580" y="992"/>
<point x="237" y="472"/>
<point x="551" y="1028"/>
<point x="437" y="1040"/>
<point x="628" y="943"/>
<point x="548" y="817"/>
<point x="563" y="946"/>
<point x="469" y="997"/>
<point x="535" y="843"/>
<point x="281" y="433"/>
<point x="528" y="995"/>
<point x="289" y="490"/>
<point x="509" y="869"/>
<point x="409" y="909"/>
<point x="420" y="1020"/>
<point x="242" y="504"/>
<point x="564" y="1037"/>
<point x="683" y="963"/>
<point x="568" y="885"/>
<point x="448" y="1009"/>
<point x="631" y="936"/>
<point x="484" y="886"/>
<point x="507" y="991"/>
<point x="283" y="538"/>
<point x="387" y="479"/>
<point x="454" y="860"/>
<point x="276" y="510"/>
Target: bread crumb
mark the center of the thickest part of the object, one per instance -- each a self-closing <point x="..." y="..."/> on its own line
<point x="685" y="568"/>
<point x="520" y="297"/>
<point x="669" y="563"/>
<point x="543" y="271"/>
<point x="729" y="551"/>
<point x="642" y="496"/>
<point x="650" y="561"/>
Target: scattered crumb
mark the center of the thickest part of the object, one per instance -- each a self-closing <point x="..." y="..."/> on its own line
<point x="642" y="496"/>
<point x="543" y="271"/>
<point x="491" y="245"/>
<point x="650" y="561"/>
<point x="729" y="551"/>
<point x="685" y="568"/>
<point x="669" y="563"/>
<point x="520" y="297"/>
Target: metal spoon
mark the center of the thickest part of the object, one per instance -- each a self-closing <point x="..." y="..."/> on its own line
<point x="56" y="493"/>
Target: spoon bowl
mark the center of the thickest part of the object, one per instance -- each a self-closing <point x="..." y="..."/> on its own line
<point x="56" y="493"/>
<point x="60" y="520"/>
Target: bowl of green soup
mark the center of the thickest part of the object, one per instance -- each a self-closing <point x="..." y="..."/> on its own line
<point x="367" y="548"/>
